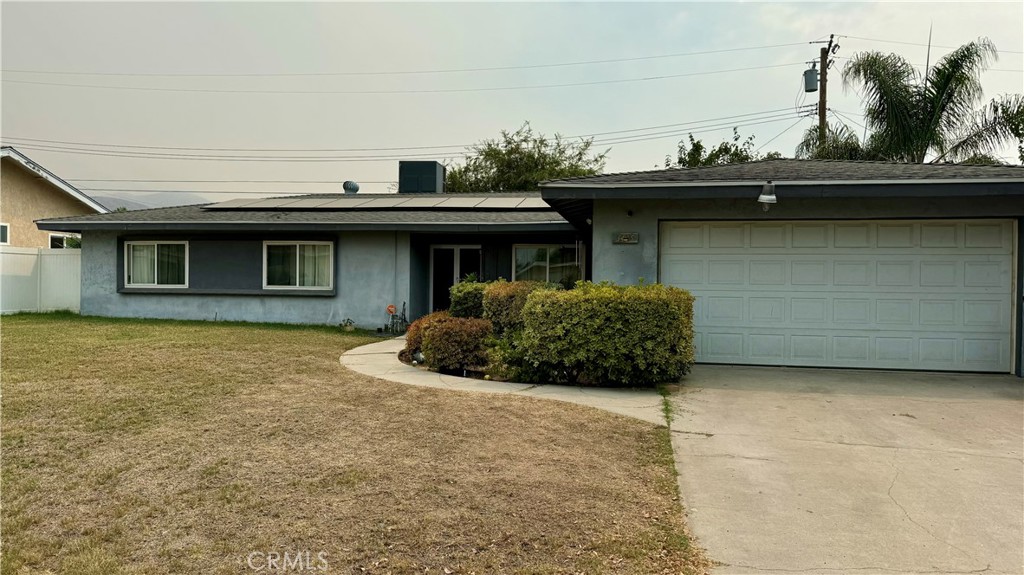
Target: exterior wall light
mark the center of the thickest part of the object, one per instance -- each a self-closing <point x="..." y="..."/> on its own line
<point x="767" y="197"/>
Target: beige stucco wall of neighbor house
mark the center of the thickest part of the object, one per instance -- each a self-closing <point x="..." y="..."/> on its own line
<point x="26" y="197"/>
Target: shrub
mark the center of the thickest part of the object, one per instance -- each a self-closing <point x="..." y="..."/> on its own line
<point x="456" y="343"/>
<point x="414" y="335"/>
<point x="606" y="334"/>
<point x="504" y="301"/>
<point x="467" y="299"/>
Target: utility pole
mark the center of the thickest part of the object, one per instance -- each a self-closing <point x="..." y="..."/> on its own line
<point x="823" y="92"/>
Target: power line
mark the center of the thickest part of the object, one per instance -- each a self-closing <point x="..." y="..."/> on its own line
<point x="791" y="126"/>
<point x="153" y="190"/>
<point x="17" y="139"/>
<point x="842" y="116"/>
<point x="416" y="91"/>
<point x="143" y="181"/>
<point x="440" y="156"/>
<point x="1016" y="70"/>
<point x="913" y="43"/>
<point x="399" y="72"/>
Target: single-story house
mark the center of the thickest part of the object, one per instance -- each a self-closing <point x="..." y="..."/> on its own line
<point x="30" y="192"/>
<point x="793" y="262"/>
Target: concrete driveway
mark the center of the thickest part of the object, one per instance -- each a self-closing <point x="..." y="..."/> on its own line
<point x="833" y="471"/>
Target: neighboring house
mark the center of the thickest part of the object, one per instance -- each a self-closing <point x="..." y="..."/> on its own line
<point x="857" y="264"/>
<point x="30" y="192"/>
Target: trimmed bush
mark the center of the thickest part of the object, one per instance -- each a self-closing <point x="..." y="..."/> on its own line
<point x="414" y="335"/>
<point x="456" y="343"/>
<point x="504" y="301"/>
<point x="608" y="335"/>
<point x="467" y="299"/>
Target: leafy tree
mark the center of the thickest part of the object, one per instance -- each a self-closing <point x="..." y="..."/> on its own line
<point x="914" y="117"/>
<point x="120" y="209"/>
<point x="696" y="153"/>
<point x="520" y="160"/>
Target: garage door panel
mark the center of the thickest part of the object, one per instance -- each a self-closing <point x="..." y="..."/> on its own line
<point x="910" y="295"/>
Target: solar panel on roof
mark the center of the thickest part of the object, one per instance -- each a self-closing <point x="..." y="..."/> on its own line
<point x="308" y="203"/>
<point x="271" y="203"/>
<point x="378" y="203"/>
<point x="499" y="203"/>
<point x="460" y="202"/>
<point x="230" y="203"/>
<point x="533" y="204"/>
<point x="422" y="202"/>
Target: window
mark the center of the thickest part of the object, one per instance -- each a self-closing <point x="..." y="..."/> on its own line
<point x="298" y="265"/>
<point x="156" y="264"/>
<point x="555" y="264"/>
<point x="65" y="241"/>
<point x="5" y="230"/>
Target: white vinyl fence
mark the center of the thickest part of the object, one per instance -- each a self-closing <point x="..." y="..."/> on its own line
<point x="39" y="279"/>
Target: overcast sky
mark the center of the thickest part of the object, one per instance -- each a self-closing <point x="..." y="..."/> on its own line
<point x="237" y="50"/>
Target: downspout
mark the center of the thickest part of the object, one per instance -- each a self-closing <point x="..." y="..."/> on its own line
<point x="1019" y="301"/>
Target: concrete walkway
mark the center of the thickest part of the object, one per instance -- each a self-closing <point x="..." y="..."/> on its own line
<point x="381" y="360"/>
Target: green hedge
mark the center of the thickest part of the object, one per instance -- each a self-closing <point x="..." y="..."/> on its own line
<point x="504" y="301"/>
<point x="607" y="335"/>
<point x="456" y="343"/>
<point x="467" y="299"/>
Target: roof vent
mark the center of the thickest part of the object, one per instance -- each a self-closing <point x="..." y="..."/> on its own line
<point x="350" y="187"/>
<point x="420" y="178"/>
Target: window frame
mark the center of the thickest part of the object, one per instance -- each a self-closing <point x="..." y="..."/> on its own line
<point x="547" y="265"/>
<point x="127" y="258"/>
<point x="297" y="243"/>
<point x="8" y="226"/>
<point x="51" y="235"/>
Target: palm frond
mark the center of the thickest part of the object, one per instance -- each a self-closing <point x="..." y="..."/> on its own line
<point x="998" y="123"/>
<point x="887" y="83"/>
<point x="841" y="143"/>
<point x="951" y="93"/>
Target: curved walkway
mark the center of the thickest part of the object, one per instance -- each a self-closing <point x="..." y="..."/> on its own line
<point x="381" y="360"/>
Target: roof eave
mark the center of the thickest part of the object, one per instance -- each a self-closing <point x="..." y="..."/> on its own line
<point x="824" y="190"/>
<point x="172" y="226"/>
<point x="28" y="164"/>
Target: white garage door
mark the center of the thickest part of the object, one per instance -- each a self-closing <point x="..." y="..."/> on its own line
<point x="931" y="294"/>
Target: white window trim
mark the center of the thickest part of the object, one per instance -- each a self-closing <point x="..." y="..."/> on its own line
<point x="127" y="255"/>
<point x="49" y="238"/>
<point x="547" y="268"/>
<point x="8" y="226"/>
<point x="458" y="260"/>
<point x="330" y="271"/>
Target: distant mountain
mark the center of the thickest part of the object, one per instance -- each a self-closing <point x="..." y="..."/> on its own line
<point x="151" y="200"/>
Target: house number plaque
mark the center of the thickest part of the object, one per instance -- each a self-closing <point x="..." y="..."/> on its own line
<point x="626" y="238"/>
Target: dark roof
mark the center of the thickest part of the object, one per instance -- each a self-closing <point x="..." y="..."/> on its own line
<point x="791" y="171"/>
<point x="213" y="217"/>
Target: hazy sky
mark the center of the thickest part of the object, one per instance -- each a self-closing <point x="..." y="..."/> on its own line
<point x="239" y="47"/>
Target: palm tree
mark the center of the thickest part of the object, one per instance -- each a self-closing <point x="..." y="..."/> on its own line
<point x="841" y="143"/>
<point x="934" y="117"/>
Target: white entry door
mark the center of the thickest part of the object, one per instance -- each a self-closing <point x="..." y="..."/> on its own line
<point x="927" y="294"/>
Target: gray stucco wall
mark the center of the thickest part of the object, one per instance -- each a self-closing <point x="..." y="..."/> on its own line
<point x="370" y="273"/>
<point x="626" y="264"/>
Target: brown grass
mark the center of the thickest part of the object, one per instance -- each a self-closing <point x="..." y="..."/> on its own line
<point x="135" y="447"/>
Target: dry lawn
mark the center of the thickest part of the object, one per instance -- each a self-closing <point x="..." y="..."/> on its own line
<point x="135" y="447"/>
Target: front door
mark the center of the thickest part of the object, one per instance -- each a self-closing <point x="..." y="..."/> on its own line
<point x="448" y="266"/>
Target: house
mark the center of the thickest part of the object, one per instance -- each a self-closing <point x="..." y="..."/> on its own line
<point x="793" y="262"/>
<point x="840" y="264"/>
<point x="318" y="259"/>
<point x="30" y="192"/>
